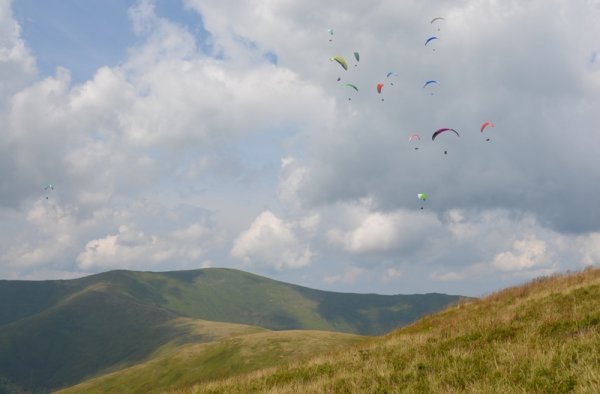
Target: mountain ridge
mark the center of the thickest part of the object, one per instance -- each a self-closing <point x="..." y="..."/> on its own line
<point x="98" y="323"/>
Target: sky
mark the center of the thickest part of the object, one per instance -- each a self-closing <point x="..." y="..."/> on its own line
<point x="201" y="133"/>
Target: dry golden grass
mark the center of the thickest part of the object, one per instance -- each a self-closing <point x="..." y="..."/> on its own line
<point x="542" y="337"/>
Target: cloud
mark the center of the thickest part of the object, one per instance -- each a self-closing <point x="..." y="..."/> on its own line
<point x="484" y="72"/>
<point x="374" y="231"/>
<point x="526" y="254"/>
<point x="131" y="248"/>
<point x="17" y="64"/>
<point x="271" y="242"/>
<point x="253" y="110"/>
<point x="291" y="177"/>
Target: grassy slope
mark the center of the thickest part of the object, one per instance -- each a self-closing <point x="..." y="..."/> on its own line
<point x="56" y="333"/>
<point x="78" y="336"/>
<point x="540" y="337"/>
<point x="185" y="365"/>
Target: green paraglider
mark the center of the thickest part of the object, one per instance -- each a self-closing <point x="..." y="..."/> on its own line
<point x="353" y="87"/>
<point x="422" y="197"/>
<point x="341" y="61"/>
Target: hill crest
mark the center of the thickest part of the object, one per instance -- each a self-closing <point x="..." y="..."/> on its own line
<point x="97" y="323"/>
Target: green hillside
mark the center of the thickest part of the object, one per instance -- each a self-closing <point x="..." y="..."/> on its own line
<point x="182" y="366"/>
<point x="542" y="337"/>
<point x="57" y="333"/>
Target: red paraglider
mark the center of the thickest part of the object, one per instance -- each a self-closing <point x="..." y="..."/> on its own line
<point x="486" y="124"/>
<point x="379" y="87"/>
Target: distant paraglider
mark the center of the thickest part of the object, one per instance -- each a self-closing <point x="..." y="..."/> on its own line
<point x="423" y="197"/>
<point x="357" y="57"/>
<point x="340" y="60"/>
<point x="431" y="39"/>
<point x="391" y="74"/>
<point x="353" y="87"/>
<point x="414" y="137"/>
<point x="430" y="82"/>
<point x="442" y="130"/>
<point x="330" y="31"/>
<point x="48" y="188"/>
<point x="484" y="126"/>
<point x="437" y="19"/>
<point x="379" y="88"/>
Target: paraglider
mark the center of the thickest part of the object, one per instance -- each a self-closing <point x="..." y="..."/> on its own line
<point x="391" y="74"/>
<point x="353" y="87"/>
<point x="357" y="57"/>
<point x="414" y="137"/>
<point x="330" y="31"/>
<point x="437" y="18"/>
<point x="431" y="39"/>
<point x="484" y="125"/>
<point x="439" y="131"/>
<point x="431" y="81"/>
<point x="422" y="197"/>
<point x="341" y="61"/>
<point x="48" y="187"/>
<point x="379" y="87"/>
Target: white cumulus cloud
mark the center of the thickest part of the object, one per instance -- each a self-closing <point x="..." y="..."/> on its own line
<point x="271" y="242"/>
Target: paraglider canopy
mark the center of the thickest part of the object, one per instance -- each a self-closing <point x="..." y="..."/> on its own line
<point x="437" y="18"/>
<point x="379" y="87"/>
<point x="49" y="186"/>
<point x="414" y="137"/>
<point x="390" y="74"/>
<point x="352" y="86"/>
<point x="341" y="61"/>
<point x="422" y="197"/>
<point x="431" y="39"/>
<point x="439" y="131"/>
<point x="486" y="124"/>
